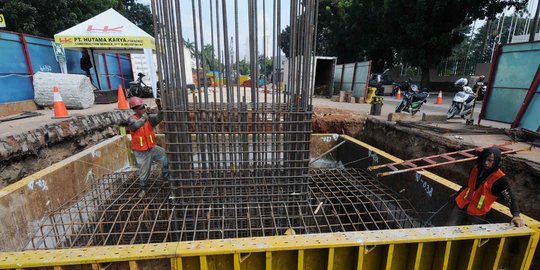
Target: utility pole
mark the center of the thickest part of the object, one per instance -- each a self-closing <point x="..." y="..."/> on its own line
<point x="532" y="28"/>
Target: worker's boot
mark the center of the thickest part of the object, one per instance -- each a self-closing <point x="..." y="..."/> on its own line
<point x="165" y="176"/>
<point x="142" y="193"/>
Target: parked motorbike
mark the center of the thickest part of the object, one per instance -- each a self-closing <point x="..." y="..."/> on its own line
<point x="412" y="100"/>
<point x="402" y="86"/>
<point x="138" y="88"/>
<point x="463" y="101"/>
<point x="480" y="88"/>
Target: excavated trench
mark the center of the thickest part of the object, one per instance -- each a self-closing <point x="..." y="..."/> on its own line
<point x="111" y="213"/>
<point x="24" y="154"/>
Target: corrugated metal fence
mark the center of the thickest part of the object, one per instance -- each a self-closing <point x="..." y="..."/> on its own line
<point x="23" y="55"/>
<point x="514" y="95"/>
<point x="352" y="77"/>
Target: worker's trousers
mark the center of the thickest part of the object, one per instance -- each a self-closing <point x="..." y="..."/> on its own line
<point x="145" y="158"/>
<point x="459" y="216"/>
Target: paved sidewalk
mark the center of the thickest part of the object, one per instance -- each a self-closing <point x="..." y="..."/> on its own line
<point x="28" y="124"/>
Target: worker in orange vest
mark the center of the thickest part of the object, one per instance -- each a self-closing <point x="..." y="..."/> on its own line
<point x="143" y="141"/>
<point x="486" y="183"/>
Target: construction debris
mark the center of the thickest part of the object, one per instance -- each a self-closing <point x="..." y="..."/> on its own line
<point x="25" y="114"/>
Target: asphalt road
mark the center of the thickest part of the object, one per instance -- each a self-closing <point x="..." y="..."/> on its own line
<point x="430" y="107"/>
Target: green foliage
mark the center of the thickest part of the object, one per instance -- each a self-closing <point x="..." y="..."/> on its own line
<point x="139" y="14"/>
<point x="425" y="32"/>
<point x="413" y="32"/>
<point x="46" y="18"/>
<point x="487" y="36"/>
<point x="209" y="57"/>
<point x="243" y="67"/>
<point x="266" y="65"/>
<point x="352" y="31"/>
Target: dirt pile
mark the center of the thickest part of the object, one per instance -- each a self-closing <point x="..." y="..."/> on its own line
<point x="332" y="120"/>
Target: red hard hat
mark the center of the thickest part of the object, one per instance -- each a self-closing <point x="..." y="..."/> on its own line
<point x="135" y="101"/>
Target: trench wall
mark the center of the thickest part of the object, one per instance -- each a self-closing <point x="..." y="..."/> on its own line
<point x="28" y="152"/>
<point x="24" y="204"/>
<point x="408" y="143"/>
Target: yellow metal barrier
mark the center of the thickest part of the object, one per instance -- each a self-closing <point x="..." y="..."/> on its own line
<point x="493" y="246"/>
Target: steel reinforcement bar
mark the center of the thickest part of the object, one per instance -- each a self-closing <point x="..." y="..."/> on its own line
<point x="111" y="213"/>
<point x="221" y="130"/>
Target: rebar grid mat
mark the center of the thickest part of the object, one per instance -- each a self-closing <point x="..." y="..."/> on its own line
<point x="232" y="131"/>
<point x="111" y="213"/>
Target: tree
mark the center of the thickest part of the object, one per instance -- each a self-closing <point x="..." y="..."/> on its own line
<point x="429" y="30"/>
<point x="266" y="65"/>
<point x="243" y="67"/>
<point x="46" y="18"/>
<point x="210" y="58"/>
<point x="352" y="31"/>
<point x="488" y="34"/>
<point x="137" y="13"/>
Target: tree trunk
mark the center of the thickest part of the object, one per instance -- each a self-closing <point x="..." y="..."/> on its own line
<point x="424" y="83"/>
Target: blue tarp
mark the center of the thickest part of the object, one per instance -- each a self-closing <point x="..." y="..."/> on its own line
<point x="15" y="79"/>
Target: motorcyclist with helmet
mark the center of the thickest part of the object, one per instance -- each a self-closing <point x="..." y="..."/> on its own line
<point x="480" y="88"/>
<point x="143" y="141"/>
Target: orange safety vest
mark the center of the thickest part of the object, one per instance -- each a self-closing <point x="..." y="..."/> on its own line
<point x="143" y="138"/>
<point x="479" y="201"/>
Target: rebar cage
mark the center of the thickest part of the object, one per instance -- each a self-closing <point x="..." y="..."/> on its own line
<point x="225" y="135"/>
<point x="109" y="212"/>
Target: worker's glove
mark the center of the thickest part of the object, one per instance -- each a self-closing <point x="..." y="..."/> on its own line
<point x="144" y="117"/>
<point x="517" y="221"/>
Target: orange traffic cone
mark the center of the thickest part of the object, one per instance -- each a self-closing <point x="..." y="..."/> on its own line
<point x="59" y="106"/>
<point x="122" y="103"/>
<point x="398" y="95"/>
<point x="439" y="98"/>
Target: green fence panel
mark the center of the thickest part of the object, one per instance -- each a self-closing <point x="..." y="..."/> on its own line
<point x="361" y="78"/>
<point x="348" y="77"/>
<point x="504" y="104"/>
<point x="513" y="77"/>
<point x="337" y="79"/>
<point x="531" y="118"/>
<point x="345" y="78"/>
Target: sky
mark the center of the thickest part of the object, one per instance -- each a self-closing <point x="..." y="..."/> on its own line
<point x="186" y="17"/>
<point x="187" y="20"/>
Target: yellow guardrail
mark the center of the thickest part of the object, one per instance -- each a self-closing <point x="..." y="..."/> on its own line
<point x="493" y="246"/>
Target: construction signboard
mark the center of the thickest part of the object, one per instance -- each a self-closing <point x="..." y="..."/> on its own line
<point x="104" y="41"/>
<point x="59" y="52"/>
<point x="106" y="30"/>
<point x="2" y="21"/>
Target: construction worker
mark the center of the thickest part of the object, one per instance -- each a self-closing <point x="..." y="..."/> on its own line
<point x="486" y="183"/>
<point x="143" y="141"/>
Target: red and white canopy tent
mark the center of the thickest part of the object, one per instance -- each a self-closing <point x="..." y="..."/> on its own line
<point x="110" y="32"/>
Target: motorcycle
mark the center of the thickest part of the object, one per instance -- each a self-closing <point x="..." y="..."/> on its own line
<point x="463" y="102"/>
<point x="401" y="86"/>
<point x="480" y="88"/>
<point x="412" y="100"/>
<point x="138" y="88"/>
